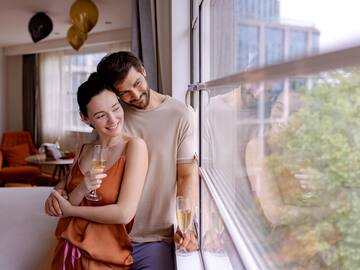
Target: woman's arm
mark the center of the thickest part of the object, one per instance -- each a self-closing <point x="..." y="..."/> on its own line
<point x="131" y="188"/>
<point x="269" y="195"/>
<point x="91" y="181"/>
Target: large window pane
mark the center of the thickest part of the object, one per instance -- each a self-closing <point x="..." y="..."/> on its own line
<point x="286" y="167"/>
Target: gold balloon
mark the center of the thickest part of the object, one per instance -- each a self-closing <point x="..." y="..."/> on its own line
<point x="84" y="15"/>
<point x="75" y="37"/>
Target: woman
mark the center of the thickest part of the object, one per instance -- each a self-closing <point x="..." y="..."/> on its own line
<point x="92" y="235"/>
<point x="300" y="233"/>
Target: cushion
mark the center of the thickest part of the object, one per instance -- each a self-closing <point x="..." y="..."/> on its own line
<point x="17" y="185"/>
<point x="22" y="173"/>
<point x="15" y="156"/>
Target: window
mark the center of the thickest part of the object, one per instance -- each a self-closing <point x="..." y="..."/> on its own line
<point x="61" y="73"/>
<point x="79" y="67"/>
<point x="279" y="144"/>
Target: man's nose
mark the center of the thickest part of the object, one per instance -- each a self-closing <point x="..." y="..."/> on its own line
<point x="135" y="93"/>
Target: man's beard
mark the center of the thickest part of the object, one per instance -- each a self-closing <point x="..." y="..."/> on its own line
<point x="142" y="105"/>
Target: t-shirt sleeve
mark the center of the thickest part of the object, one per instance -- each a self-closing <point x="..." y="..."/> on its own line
<point x="186" y="139"/>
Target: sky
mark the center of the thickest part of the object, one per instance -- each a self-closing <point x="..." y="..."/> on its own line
<point x="337" y="20"/>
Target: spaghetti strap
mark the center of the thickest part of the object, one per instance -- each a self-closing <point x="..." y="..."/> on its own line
<point x="75" y="162"/>
<point x="123" y="154"/>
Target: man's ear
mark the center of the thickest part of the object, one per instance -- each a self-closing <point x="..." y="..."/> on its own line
<point x="84" y="119"/>
<point x="143" y="71"/>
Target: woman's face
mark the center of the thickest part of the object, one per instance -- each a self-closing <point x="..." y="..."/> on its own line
<point x="105" y="114"/>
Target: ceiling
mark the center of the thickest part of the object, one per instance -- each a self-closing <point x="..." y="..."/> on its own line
<point x="15" y="16"/>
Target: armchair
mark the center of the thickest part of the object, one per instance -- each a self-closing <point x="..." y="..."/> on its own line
<point x="15" y="146"/>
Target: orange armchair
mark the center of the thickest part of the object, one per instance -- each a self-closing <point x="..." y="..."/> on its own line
<point x="17" y="145"/>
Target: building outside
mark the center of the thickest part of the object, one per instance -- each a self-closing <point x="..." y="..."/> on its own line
<point x="257" y="36"/>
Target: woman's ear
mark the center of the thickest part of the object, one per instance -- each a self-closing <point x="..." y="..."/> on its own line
<point x="84" y="119"/>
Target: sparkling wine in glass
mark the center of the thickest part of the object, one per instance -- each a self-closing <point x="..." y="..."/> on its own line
<point x="183" y="216"/>
<point x="98" y="162"/>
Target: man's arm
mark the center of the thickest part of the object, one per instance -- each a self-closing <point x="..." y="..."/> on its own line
<point x="187" y="186"/>
<point x="187" y="180"/>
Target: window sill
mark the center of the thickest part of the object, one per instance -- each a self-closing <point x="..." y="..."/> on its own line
<point x="191" y="261"/>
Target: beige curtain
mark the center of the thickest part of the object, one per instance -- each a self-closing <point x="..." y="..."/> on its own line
<point x="52" y="96"/>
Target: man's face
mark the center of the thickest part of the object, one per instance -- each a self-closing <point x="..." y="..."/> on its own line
<point x="134" y="89"/>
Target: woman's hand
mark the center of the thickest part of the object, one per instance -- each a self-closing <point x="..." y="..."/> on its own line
<point x="52" y="207"/>
<point x="93" y="180"/>
<point x="309" y="180"/>
<point x="64" y="204"/>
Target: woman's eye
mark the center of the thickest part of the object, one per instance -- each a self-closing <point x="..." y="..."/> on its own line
<point x="100" y="116"/>
<point x="116" y="109"/>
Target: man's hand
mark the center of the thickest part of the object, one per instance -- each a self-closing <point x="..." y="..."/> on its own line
<point x="52" y="206"/>
<point x="188" y="242"/>
<point x="213" y="241"/>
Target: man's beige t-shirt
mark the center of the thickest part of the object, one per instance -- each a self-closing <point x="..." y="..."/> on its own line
<point x="169" y="133"/>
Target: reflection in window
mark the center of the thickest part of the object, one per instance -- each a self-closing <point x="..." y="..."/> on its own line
<point x="282" y="155"/>
<point x="217" y="247"/>
<point x="315" y="43"/>
<point x="298" y="83"/>
<point x="248" y="44"/>
<point x="297" y="44"/>
<point x="274" y="46"/>
<point x="289" y="175"/>
<point x="257" y="9"/>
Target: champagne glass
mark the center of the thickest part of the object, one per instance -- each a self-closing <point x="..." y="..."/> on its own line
<point x="98" y="162"/>
<point x="183" y="216"/>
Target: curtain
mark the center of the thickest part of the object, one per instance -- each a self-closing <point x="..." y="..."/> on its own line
<point x="30" y="89"/>
<point x="52" y="96"/>
<point x="151" y="41"/>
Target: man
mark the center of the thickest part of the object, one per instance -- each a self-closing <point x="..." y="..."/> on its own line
<point x="167" y="126"/>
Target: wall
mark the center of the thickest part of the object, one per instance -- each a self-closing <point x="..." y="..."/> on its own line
<point x="2" y="91"/>
<point x="13" y="90"/>
<point x="180" y="48"/>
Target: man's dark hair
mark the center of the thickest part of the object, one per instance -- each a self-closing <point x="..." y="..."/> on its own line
<point x="114" y="67"/>
<point x="88" y="89"/>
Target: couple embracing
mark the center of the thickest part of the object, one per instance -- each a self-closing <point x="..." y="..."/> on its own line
<point x="149" y="139"/>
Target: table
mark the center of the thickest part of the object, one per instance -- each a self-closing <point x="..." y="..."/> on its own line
<point x="61" y="166"/>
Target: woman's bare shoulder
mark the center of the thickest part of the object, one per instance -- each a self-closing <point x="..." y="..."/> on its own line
<point x="135" y="143"/>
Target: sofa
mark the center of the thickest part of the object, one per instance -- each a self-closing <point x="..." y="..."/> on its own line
<point x="15" y="147"/>
<point x="26" y="232"/>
